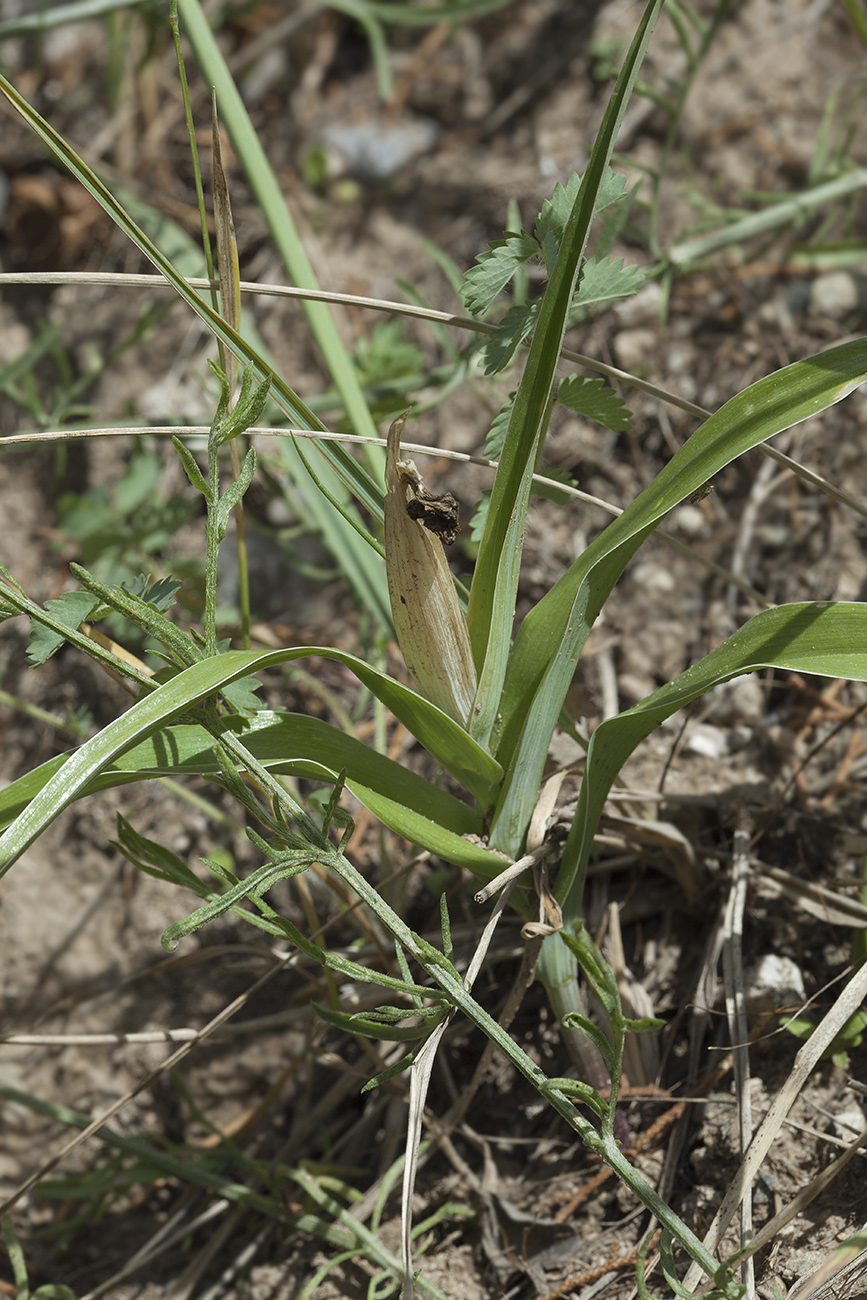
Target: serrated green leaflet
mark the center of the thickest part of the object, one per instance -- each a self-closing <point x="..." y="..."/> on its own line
<point x="596" y="400"/>
<point x="605" y="280"/>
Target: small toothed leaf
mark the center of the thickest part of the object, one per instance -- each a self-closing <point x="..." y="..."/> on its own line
<point x="499" y="428"/>
<point x="555" y="211"/>
<point x="495" y="269"/>
<point x="71" y="609"/>
<point x="160" y="594"/>
<point x="477" y="523"/>
<point x="604" y="280"/>
<point x="595" y="400"/>
<point x="508" y="336"/>
<point x="547" y="491"/>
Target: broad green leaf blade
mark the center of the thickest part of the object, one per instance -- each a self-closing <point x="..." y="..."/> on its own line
<point x="495" y="582"/>
<point x="552" y="635"/>
<point x="295" y="745"/>
<point x="287" y="743"/>
<point x="443" y="738"/>
<point x="828" y="639"/>
<point x="419" y="829"/>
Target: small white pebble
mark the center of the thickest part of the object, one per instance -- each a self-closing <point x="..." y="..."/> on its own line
<point x="775" y="981"/>
<point x="834" y="294"/>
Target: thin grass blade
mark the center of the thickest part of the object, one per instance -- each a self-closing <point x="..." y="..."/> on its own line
<point x="264" y="184"/>
<point x="495" y="581"/>
<point x="368" y="579"/>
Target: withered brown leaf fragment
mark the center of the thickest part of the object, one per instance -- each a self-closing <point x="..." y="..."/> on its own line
<point x="439" y="514"/>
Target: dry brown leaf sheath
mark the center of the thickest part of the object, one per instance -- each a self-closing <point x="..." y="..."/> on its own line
<point x="428" y="619"/>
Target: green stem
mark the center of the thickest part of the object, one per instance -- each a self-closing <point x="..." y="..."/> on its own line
<point x="695" y="60"/>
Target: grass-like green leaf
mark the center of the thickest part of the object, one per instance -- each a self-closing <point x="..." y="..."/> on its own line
<point x="495" y="581"/>
<point x="367" y="576"/>
<point x="155" y="859"/>
<point x="827" y="639"/>
<point x="551" y="637"/>
<point x="269" y="195"/>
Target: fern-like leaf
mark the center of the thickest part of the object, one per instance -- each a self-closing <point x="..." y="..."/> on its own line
<point x="494" y="270"/>
<point x="603" y="280"/>
<point x="508" y="336"/>
<point x="595" y="400"/>
<point x="71" y="609"/>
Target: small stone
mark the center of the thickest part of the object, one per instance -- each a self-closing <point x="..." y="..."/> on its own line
<point x="774" y="982"/>
<point x="849" y="1123"/>
<point x="373" y="151"/>
<point x="644" y="308"/>
<point x="834" y="294"/>
<point x="636" y="348"/>
<point x="708" y="741"/>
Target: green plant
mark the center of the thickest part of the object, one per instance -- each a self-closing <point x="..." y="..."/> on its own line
<point x="494" y="735"/>
<point x="118" y="530"/>
<point x="19" y="1269"/>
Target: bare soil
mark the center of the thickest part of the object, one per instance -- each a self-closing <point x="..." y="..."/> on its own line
<point x="500" y="109"/>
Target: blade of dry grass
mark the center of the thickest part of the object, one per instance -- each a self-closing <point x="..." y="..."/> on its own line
<point x="147" y="1080"/>
<point x="733" y="969"/>
<point x="816" y="900"/>
<point x="805" y="1062"/>
<point x="806" y="1195"/>
<point x="419" y="1080"/>
<point x="438" y="317"/>
<point x="846" y="1261"/>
